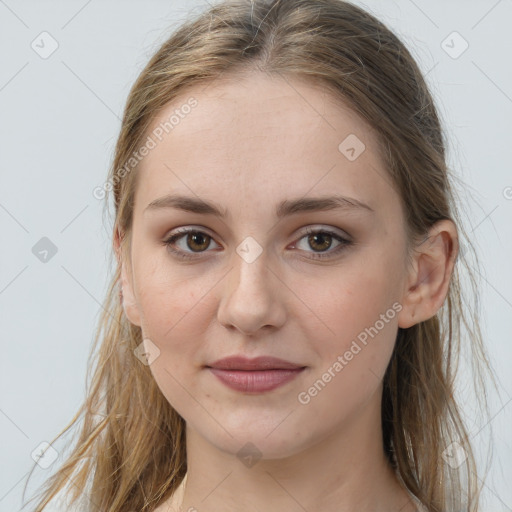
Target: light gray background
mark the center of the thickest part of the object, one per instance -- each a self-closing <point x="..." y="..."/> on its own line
<point x="59" y="118"/>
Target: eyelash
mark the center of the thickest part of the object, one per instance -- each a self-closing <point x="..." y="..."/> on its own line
<point x="318" y="256"/>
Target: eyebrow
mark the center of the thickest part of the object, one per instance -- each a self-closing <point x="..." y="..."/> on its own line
<point x="284" y="208"/>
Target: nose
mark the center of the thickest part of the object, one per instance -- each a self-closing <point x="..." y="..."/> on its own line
<point x="253" y="297"/>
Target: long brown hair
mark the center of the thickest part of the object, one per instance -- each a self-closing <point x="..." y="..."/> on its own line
<point x="130" y="453"/>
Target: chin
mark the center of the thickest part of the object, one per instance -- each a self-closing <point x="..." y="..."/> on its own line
<point x="264" y="438"/>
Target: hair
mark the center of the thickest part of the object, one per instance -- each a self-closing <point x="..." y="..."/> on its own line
<point x="130" y="453"/>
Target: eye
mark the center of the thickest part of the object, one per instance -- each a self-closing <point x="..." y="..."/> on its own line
<point x="197" y="241"/>
<point x="321" y="240"/>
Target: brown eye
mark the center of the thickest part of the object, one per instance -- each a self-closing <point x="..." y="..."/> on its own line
<point x="186" y="242"/>
<point x="190" y="243"/>
<point x="197" y="240"/>
<point x="320" y="241"/>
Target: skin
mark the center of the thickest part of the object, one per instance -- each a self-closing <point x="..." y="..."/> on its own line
<point x="251" y="142"/>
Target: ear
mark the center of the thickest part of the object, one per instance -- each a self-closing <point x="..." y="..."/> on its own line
<point x="121" y="245"/>
<point x="429" y="278"/>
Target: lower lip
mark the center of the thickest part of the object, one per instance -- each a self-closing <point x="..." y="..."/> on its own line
<point x="255" y="381"/>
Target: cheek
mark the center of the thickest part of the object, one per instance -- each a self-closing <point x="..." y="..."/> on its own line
<point x="352" y="356"/>
<point x="165" y="294"/>
<point x="173" y="314"/>
<point x="355" y="316"/>
<point x="177" y="310"/>
<point x="176" y="315"/>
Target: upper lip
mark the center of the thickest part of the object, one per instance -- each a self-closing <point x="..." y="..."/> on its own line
<point x="257" y="363"/>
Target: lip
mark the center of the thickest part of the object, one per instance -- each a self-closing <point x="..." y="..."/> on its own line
<point x="256" y="363"/>
<point x="255" y="381"/>
<point x="255" y="375"/>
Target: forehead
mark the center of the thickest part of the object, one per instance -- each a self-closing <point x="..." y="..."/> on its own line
<point x="257" y="137"/>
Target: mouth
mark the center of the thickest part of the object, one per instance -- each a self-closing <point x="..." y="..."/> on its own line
<point x="256" y="363"/>
<point x="255" y="381"/>
<point x="256" y="375"/>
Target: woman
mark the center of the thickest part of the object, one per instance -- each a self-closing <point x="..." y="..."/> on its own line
<point x="283" y="325"/>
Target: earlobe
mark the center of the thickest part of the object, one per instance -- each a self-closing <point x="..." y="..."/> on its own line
<point x="127" y="294"/>
<point x="429" y="280"/>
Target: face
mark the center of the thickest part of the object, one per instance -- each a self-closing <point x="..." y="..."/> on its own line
<point x="318" y="285"/>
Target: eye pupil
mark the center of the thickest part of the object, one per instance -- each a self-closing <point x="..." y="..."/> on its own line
<point x="322" y="236"/>
<point x="194" y="236"/>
